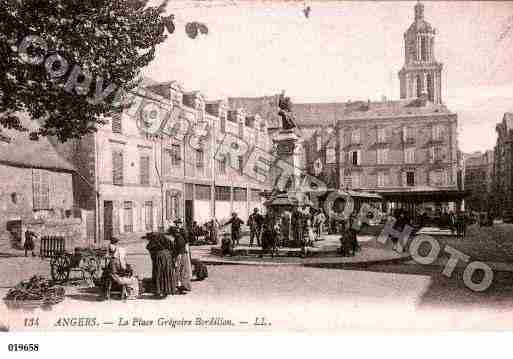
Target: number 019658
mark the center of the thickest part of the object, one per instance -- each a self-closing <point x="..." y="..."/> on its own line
<point x="23" y="347"/>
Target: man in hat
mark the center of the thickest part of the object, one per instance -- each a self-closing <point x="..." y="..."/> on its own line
<point x="236" y="222"/>
<point x="297" y="225"/>
<point x="255" y="222"/>
<point x="179" y="227"/>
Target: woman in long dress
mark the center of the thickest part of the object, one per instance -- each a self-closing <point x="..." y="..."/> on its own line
<point x="163" y="268"/>
<point x="183" y="262"/>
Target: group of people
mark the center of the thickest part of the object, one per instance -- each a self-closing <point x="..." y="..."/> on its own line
<point x="299" y="227"/>
<point x="306" y="223"/>
<point x="264" y="230"/>
<point x="171" y="271"/>
<point x="171" y="261"/>
<point x="456" y="222"/>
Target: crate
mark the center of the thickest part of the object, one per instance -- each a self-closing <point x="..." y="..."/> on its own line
<point x="52" y="246"/>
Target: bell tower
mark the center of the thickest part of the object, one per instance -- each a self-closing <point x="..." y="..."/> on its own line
<point x="421" y="74"/>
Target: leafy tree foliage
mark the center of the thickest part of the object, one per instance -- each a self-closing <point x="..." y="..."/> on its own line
<point x="103" y="43"/>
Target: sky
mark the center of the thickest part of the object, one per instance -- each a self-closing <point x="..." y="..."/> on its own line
<point x="344" y="51"/>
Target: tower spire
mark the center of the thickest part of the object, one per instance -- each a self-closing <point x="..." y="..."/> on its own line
<point x="421" y="74"/>
<point x="419" y="11"/>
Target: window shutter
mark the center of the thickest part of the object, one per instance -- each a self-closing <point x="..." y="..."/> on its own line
<point x="145" y="170"/>
<point x="166" y="165"/>
<point x="117" y="168"/>
<point x="359" y="157"/>
<point x="432" y="154"/>
<point x="36" y="188"/>
<point x="403" y="178"/>
<point x="45" y="190"/>
<point x="175" y="154"/>
<point x="405" y="133"/>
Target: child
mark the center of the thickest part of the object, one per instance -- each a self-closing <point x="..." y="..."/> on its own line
<point x="29" y="242"/>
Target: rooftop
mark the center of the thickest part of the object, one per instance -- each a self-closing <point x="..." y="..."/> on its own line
<point x="325" y="114"/>
<point x="16" y="149"/>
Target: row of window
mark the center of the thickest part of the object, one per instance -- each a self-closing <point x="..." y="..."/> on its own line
<point x="172" y="211"/>
<point x="128" y="216"/>
<point x="356" y="179"/>
<point x="355" y="157"/>
<point x="173" y="200"/>
<point x="382" y="134"/>
<point x="117" y="124"/>
<point x="171" y="159"/>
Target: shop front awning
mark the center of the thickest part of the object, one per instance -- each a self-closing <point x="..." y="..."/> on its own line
<point x="423" y="195"/>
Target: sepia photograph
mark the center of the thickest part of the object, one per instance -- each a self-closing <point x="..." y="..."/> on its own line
<point x="212" y="166"/>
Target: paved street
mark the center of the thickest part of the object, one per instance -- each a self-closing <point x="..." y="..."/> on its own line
<point x="381" y="296"/>
<point x="493" y="244"/>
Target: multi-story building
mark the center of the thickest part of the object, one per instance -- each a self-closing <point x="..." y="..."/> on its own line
<point x="143" y="182"/>
<point x="503" y="169"/>
<point x="478" y="180"/>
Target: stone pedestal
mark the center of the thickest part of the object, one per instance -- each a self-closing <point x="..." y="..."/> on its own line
<point x="286" y="144"/>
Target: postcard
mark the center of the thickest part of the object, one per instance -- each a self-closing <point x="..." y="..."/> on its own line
<point x="255" y="166"/>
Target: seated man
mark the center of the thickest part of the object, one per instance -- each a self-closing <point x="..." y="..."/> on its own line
<point x="226" y="244"/>
<point x="120" y="272"/>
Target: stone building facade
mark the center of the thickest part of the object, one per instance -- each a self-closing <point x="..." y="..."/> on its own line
<point x="478" y="180"/>
<point x="38" y="188"/>
<point x="503" y="170"/>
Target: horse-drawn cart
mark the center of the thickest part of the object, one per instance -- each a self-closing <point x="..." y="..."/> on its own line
<point x="89" y="262"/>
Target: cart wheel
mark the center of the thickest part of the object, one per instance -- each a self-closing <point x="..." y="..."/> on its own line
<point x="60" y="268"/>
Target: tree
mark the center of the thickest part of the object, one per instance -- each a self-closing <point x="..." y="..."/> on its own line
<point x="64" y="61"/>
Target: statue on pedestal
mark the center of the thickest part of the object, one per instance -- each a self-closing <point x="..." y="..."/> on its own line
<point x="285" y="105"/>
